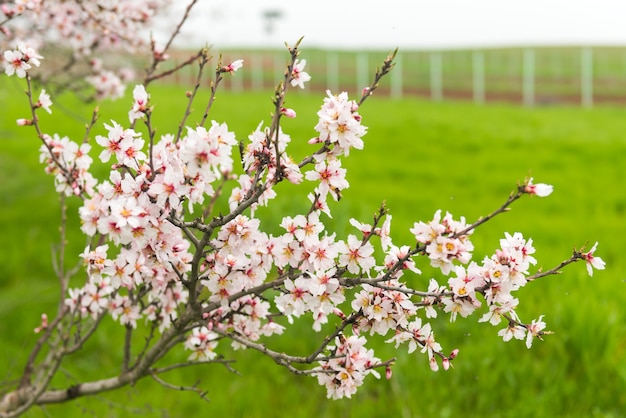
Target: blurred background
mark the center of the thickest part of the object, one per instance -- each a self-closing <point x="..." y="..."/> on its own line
<point x="533" y="52"/>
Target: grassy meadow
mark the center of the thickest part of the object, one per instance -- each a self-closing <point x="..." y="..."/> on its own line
<point x="418" y="157"/>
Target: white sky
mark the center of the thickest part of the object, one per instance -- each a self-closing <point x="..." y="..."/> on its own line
<point x="388" y="24"/>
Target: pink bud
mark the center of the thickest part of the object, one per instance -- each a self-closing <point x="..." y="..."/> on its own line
<point x="340" y="314"/>
<point x="7" y="11"/>
<point x="365" y="91"/>
<point x="453" y="354"/>
<point x="314" y="141"/>
<point x="445" y="363"/>
<point x="290" y="113"/>
<point x="433" y="364"/>
<point x="24" y="122"/>
<point x="388" y="372"/>
<point x="44" y="324"/>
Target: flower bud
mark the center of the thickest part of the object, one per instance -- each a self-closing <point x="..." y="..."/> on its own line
<point x="433" y="364"/>
<point x="388" y="372"/>
<point x="290" y="113"/>
<point x="339" y="313"/>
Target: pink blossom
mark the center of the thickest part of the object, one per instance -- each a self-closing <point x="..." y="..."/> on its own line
<point x="535" y="329"/>
<point x="358" y="257"/>
<point x="140" y="103"/>
<point x="513" y="330"/>
<point x="539" y="189"/>
<point x="298" y="75"/>
<point x="124" y="310"/>
<point x="233" y="66"/>
<point x="331" y="175"/>
<point x="202" y="342"/>
<point x="107" y="84"/>
<point x="20" y="60"/>
<point x="44" y="101"/>
<point x="339" y="124"/>
<point x="592" y="261"/>
<point x="295" y="301"/>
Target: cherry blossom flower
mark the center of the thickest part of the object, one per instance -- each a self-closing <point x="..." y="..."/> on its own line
<point x="202" y="342"/>
<point x="298" y="75"/>
<point x="592" y="261"/>
<point x="125" y="144"/>
<point x="14" y="63"/>
<point x="297" y="298"/>
<point x="539" y="189"/>
<point x="233" y="66"/>
<point x="140" y="102"/>
<point x="343" y="375"/>
<point x="340" y="124"/>
<point x="125" y="311"/>
<point x="512" y="331"/>
<point x="331" y="176"/>
<point x="535" y="329"/>
<point x="44" y="101"/>
<point x="107" y="84"/>
<point x="356" y="256"/>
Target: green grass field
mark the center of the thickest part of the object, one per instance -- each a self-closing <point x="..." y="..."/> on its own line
<point x="418" y="157"/>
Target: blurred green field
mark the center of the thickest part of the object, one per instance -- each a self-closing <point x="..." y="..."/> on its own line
<point x="418" y="157"/>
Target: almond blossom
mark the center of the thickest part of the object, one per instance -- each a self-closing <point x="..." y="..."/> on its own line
<point x="592" y="261"/>
<point x="298" y="75"/>
<point x="539" y="189"/>
<point x="140" y="102"/>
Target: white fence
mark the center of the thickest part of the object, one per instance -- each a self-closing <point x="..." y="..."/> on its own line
<point x="529" y="76"/>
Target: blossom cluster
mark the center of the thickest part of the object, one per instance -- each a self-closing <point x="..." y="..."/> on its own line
<point x="21" y="59"/>
<point x="85" y="27"/>
<point x="161" y="254"/>
<point x="343" y="374"/>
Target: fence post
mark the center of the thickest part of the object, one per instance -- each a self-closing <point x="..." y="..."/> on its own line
<point x="279" y="66"/>
<point x="256" y="64"/>
<point x="586" y="77"/>
<point x="396" y="78"/>
<point x="436" y="88"/>
<point x="332" y="71"/>
<point x="478" y="61"/>
<point x="362" y="72"/>
<point x="529" y="77"/>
